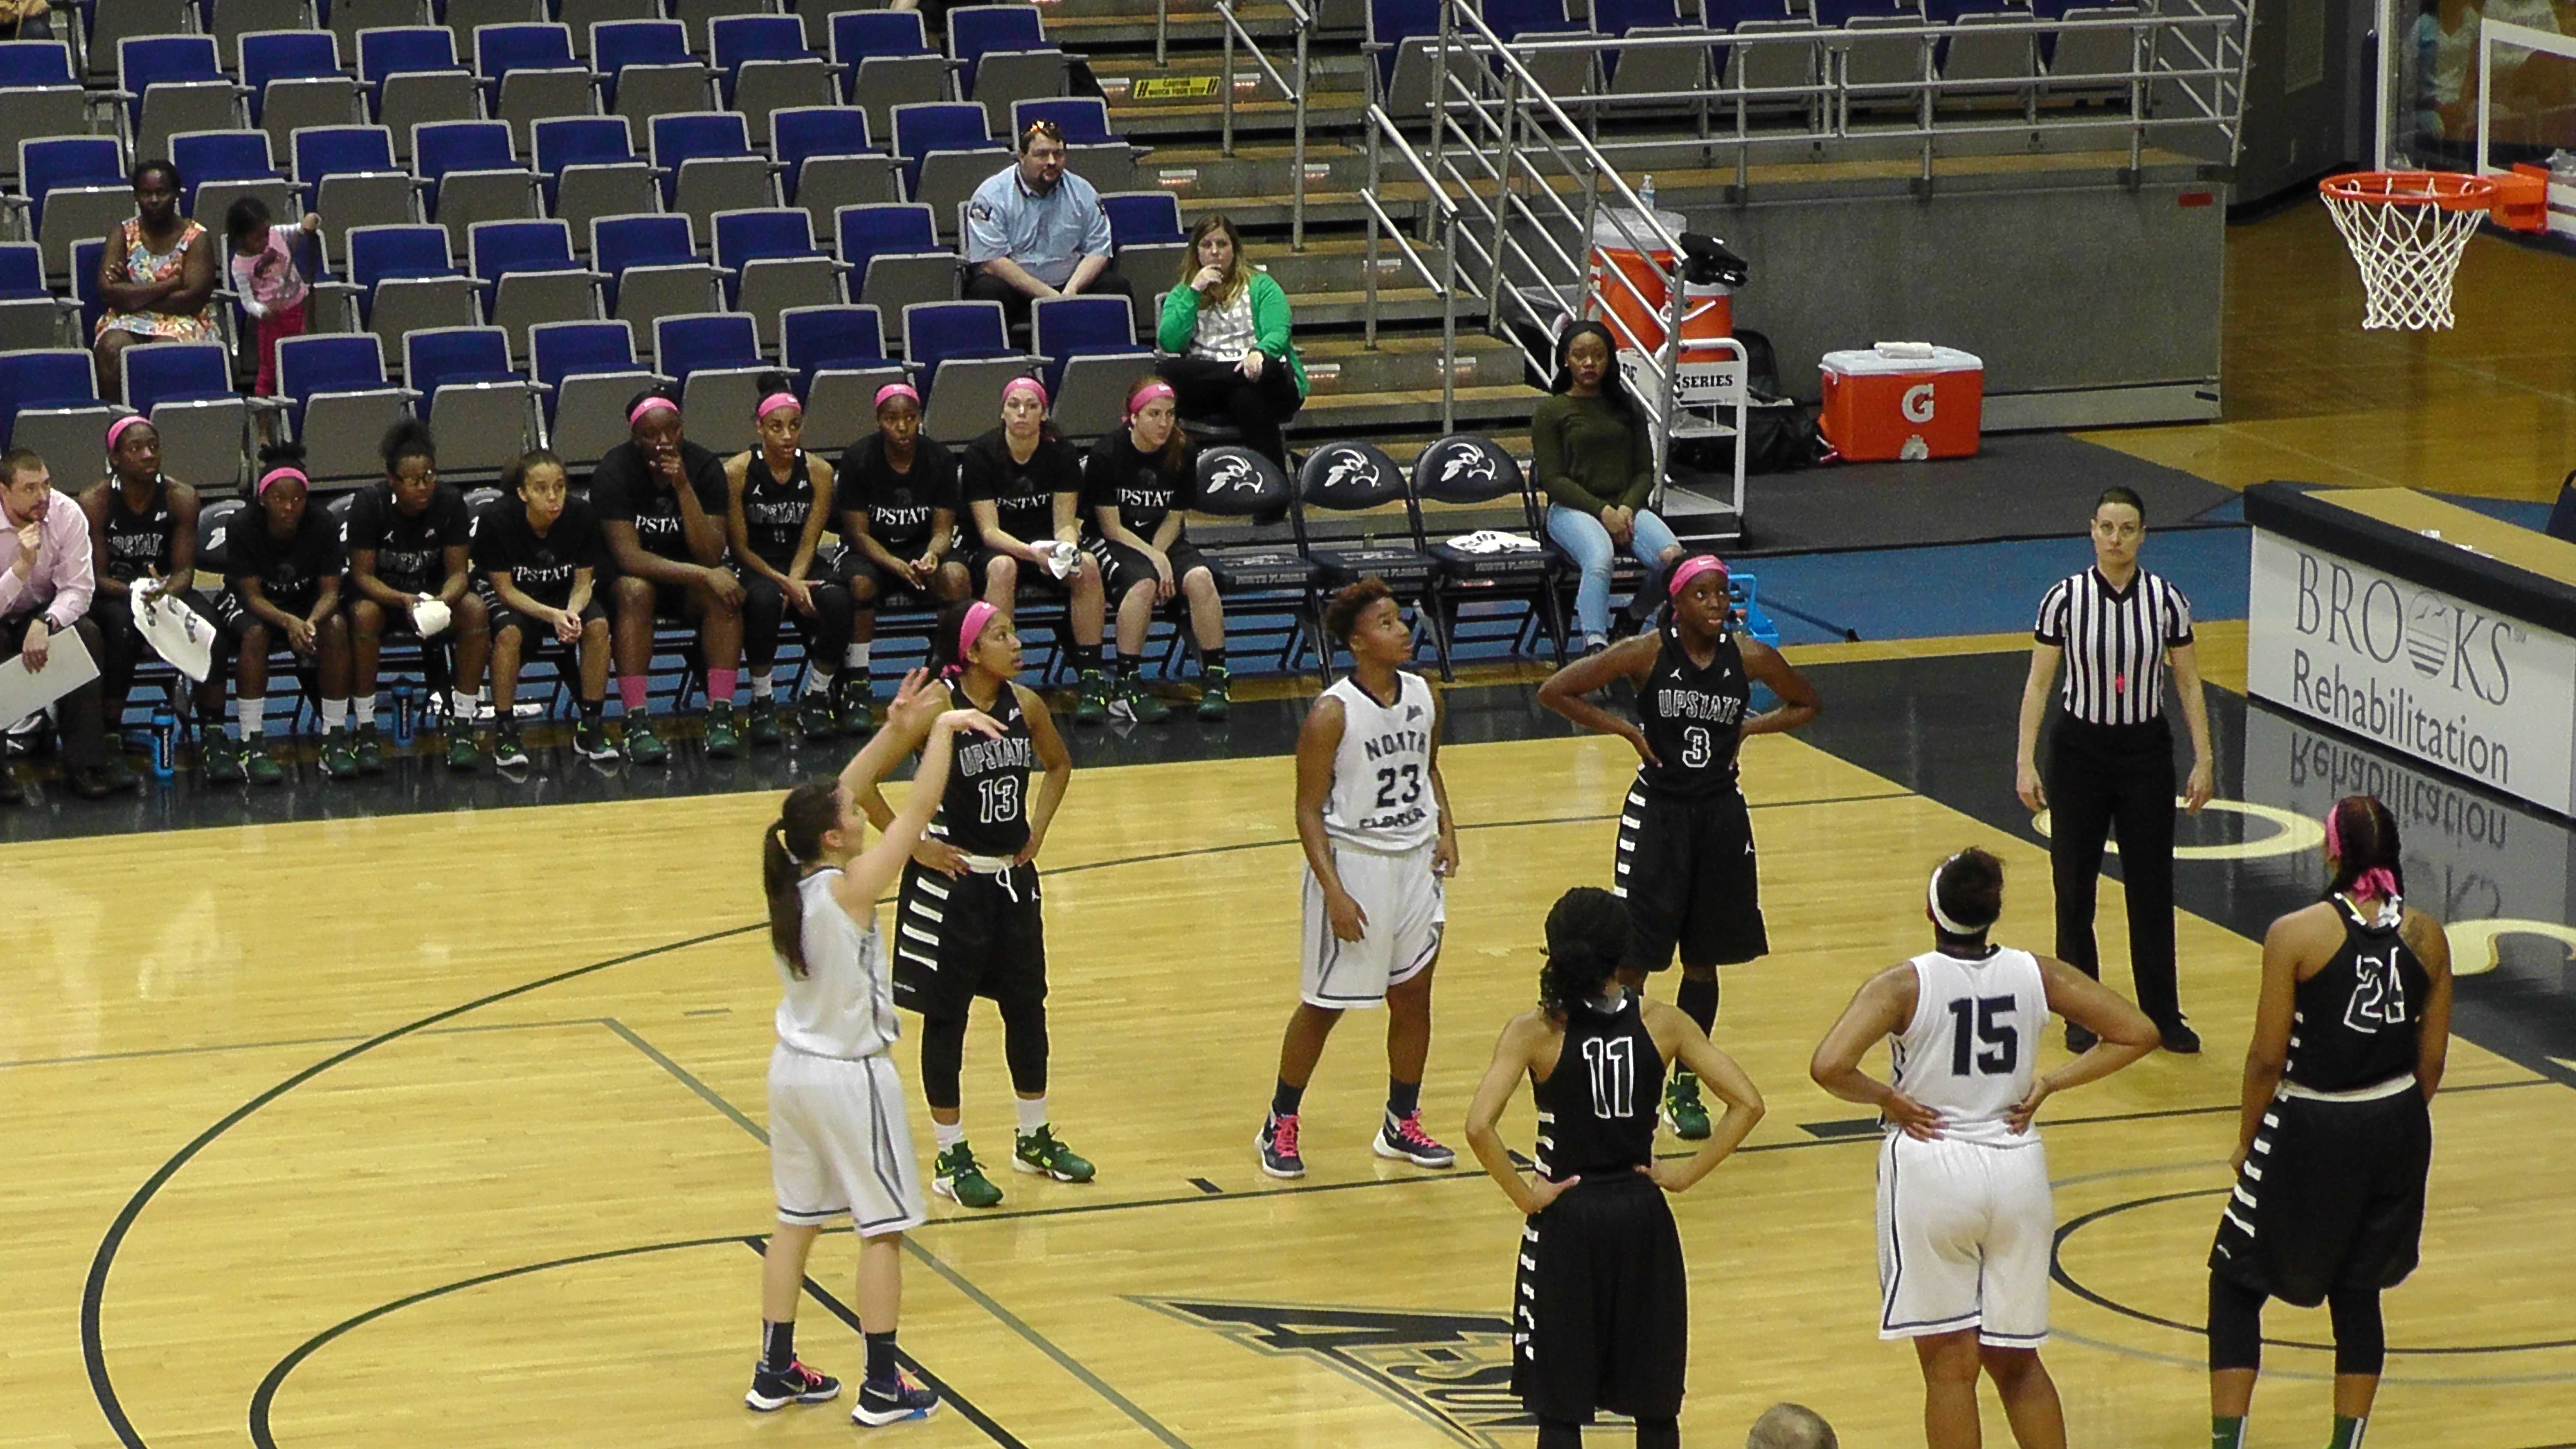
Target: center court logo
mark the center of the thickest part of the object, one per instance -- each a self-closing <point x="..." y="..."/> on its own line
<point x="1453" y="1370"/>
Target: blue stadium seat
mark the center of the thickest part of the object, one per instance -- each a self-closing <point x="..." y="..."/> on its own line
<point x="501" y="49"/>
<point x="1143" y="217"/>
<point x="442" y="148"/>
<point x="211" y="156"/>
<point x="565" y="142"/>
<point x="59" y="162"/>
<point x="619" y="244"/>
<point x="559" y="351"/>
<point x="1092" y="356"/>
<point x="48" y="377"/>
<point x="86" y="259"/>
<point x="186" y="388"/>
<point x="28" y="63"/>
<point x="860" y="34"/>
<point x="326" y="151"/>
<point x="962" y="400"/>
<point x="617" y="44"/>
<point x="748" y="239"/>
<point x="338" y="399"/>
<point x="1083" y="119"/>
<point x="31" y="313"/>
<point x="145" y="61"/>
<point x="39" y="96"/>
<point x="276" y="55"/>
<point x="975" y="31"/>
<point x="683" y="345"/>
<point x="403" y="50"/>
<point x="477" y="402"/>
<point x="382" y="254"/>
<point x="529" y="276"/>
<point x="937" y="126"/>
<point x="1618" y="17"/>
<point x="736" y="39"/>
<point x="682" y="141"/>
<point x="814" y="338"/>
<point x="893" y="251"/>
<point x="805" y="133"/>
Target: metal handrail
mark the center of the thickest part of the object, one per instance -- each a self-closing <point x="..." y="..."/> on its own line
<point x="1295" y="91"/>
<point x="1381" y="123"/>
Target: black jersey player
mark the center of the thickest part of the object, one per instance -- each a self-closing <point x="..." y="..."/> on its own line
<point x="1685" y="860"/>
<point x="1600" y="1307"/>
<point x="2336" y="1134"/>
<point x="970" y="922"/>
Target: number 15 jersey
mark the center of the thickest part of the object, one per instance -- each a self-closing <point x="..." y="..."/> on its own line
<point x="1970" y="1051"/>
<point x="1381" y="796"/>
<point x="985" y="809"/>
<point x="1693" y="718"/>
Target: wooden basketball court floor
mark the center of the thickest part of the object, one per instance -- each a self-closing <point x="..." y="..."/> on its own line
<point x="445" y="1129"/>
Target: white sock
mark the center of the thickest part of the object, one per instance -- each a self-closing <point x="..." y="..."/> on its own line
<point x="364" y="707"/>
<point x="949" y="1133"/>
<point x="249" y="715"/>
<point x="764" y="683"/>
<point x="335" y="715"/>
<point x="855" y="657"/>
<point x="460" y="707"/>
<point x="818" y="683"/>
<point x="1033" y="1114"/>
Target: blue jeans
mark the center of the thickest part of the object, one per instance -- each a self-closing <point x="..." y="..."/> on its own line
<point x="1588" y="543"/>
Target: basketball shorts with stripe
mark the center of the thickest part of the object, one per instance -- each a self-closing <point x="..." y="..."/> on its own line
<point x="1601" y="1304"/>
<point x="839" y="1142"/>
<point x="1692" y="881"/>
<point x="963" y="936"/>
<point x="1965" y="1233"/>
<point x="1406" y="908"/>
<point x="1124" y="568"/>
<point x="2331" y="1197"/>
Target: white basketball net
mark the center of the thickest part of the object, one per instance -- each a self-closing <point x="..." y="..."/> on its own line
<point x="2409" y="250"/>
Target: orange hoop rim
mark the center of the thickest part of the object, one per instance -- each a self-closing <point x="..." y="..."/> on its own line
<point x="2449" y="190"/>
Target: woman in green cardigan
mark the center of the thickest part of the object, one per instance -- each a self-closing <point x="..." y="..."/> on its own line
<point x="1225" y="335"/>
<point x="1596" y="463"/>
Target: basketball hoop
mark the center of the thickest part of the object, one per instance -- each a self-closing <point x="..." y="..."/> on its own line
<point x="2407" y="229"/>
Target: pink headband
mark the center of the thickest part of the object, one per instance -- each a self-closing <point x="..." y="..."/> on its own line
<point x="1137" y="401"/>
<point x="636" y="414"/>
<point x="116" y="430"/>
<point x="1025" y="384"/>
<point x="777" y="400"/>
<point x="897" y="389"/>
<point x="273" y="474"/>
<point x="969" y="629"/>
<point x="2379" y="880"/>
<point x="1690" y="569"/>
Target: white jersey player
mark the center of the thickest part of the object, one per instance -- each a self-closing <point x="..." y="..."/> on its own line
<point x="1374" y="819"/>
<point x="838" y="1138"/>
<point x="1965" y="1223"/>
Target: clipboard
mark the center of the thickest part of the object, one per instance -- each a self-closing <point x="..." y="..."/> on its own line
<point x="68" y="666"/>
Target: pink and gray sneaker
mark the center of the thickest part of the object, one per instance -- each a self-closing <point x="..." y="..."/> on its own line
<point x="1402" y="1139"/>
<point x="1278" y="1144"/>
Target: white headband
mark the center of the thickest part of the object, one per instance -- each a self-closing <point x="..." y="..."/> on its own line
<point x="1941" y="918"/>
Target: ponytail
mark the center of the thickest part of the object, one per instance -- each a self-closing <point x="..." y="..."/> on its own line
<point x="1587" y="940"/>
<point x="2362" y="836"/>
<point x="794" y="841"/>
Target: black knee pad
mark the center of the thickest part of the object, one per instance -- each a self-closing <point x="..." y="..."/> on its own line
<point x="2360" y="1334"/>
<point x="1024" y="1043"/>
<point x="943" y="1059"/>
<point x="2235" y="1325"/>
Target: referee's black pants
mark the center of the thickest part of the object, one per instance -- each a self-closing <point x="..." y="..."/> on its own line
<point x="2101" y="780"/>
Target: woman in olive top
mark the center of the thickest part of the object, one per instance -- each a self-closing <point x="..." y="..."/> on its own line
<point x="1225" y="328"/>
<point x="1597" y="464"/>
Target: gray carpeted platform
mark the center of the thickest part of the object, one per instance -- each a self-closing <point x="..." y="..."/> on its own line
<point x="2022" y="485"/>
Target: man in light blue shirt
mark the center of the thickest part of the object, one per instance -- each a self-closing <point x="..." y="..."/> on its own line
<point x="1036" y="230"/>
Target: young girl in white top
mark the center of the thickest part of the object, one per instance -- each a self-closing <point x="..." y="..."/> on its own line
<point x="838" y="1139"/>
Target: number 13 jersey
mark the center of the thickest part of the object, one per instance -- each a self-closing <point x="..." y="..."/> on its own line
<point x="1693" y="717"/>
<point x="1970" y="1050"/>
<point x="1381" y="798"/>
<point x="985" y="809"/>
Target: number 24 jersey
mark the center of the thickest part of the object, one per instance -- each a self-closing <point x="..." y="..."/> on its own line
<point x="1693" y="717"/>
<point x="1382" y="796"/>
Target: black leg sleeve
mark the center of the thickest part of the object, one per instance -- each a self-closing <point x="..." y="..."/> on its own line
<point x="943" y="1059"/>
<point x="1024" y="1043"/>
<point x="2236" y="1325"/>
<point x="827" y="634"/>
<point x="2360" y="1336"/>
<point x="764" y="607"/>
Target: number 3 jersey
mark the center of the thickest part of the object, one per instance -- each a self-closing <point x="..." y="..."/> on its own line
<point x="1968" y="1053"/>
<point x="1693" y="717"/>
<point x="2358" y="1021"/>
<point x="985" y="809"/>
<point x="1381" y="796"/>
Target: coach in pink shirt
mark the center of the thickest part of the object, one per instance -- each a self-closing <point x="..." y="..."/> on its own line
<point x="45" y="586"/>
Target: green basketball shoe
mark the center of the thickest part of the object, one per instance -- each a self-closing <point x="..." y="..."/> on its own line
<point x="954" y="1175"/>
<point x="1682" y="1109"/>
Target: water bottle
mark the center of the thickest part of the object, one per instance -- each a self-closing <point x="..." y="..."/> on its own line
<point x="165" y="742"/>
<point x="404" y="719"/>
<point x="1646" y="194"/>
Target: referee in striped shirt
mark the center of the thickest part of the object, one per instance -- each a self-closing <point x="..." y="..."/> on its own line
<point x="2110" y="763"/>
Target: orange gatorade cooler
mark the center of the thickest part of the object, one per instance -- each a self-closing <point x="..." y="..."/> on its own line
<point x="1903" y="400"/>
<point x="1636" y="318"/>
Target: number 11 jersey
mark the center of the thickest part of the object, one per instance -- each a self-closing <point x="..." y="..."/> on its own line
<point x="984" y="811"/>
<point x="1693" y="717"/>
<point x="1971" y="1049"/>
<point x="1381" y="798"/>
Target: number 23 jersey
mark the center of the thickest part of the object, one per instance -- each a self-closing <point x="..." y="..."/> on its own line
<point x="1382" y="796"/>
<point x="1693" y="717"/>
<point x="1969" y="1051"/>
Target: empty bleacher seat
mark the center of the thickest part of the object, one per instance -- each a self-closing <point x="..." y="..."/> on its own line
<point x="71" y="187"/>
<point x="412" y="77"/>
<point x="586" y="371"/>
<point x="893" y="251"/>
<point x="1145" y="234"/>
<point x="827" y="160"/>
<point x="963" y="355"/>
<point x="339" y="401"/>
<point x="105" y="25"/>
<point x="32" y="315"/>
<point x="886" y="61"/>
<point x="1089" y="344"/>
<point x="229" y="20"/>
<point x="38" y="382"/>
<point x="764" y="66"/>
<point x="1562" y="72"/>
<point x="707" y="165"/>
<point x="476" y="402"/>
<point x="186" y="389"/>
<point x="348" y="19"/>
<point x="532" y="75"/>
<point x="220" y="167"/>
<point x="653" y="268"/>
<point x="648" y="71"/>
<point x="295" y="80"/>
<point x="769" y="261"/>
<point x="715" y="358"/>
<point x="464" y="17"/>
<point x="590" y="170"/>
<point x="529" y="275"/>
<point x="838" y="356"/>
<point x="174" y="83"/>
<point x="946" y="152"/>
<point x="470" y="172"/>
<point x="350" y="177"/>
<point x="405" y="279"/>
<point x="1002" y="55"/>
<point x="39" y="96"/>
